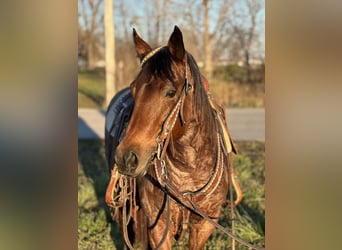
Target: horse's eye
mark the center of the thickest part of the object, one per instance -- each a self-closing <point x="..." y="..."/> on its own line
<point x="170" y="93"/>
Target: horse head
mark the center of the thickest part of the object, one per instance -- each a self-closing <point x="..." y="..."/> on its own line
<point x="164" y="94"/>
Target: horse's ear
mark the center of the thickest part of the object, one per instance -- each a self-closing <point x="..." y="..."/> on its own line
<point x="176" y="45"/>
<point x="141" y="47"/>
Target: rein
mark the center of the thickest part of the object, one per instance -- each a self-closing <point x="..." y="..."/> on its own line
<point x="182" y="197"/>
<point x="189" y="203"/>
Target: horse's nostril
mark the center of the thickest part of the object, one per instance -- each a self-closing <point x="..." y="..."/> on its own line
<point x="131" y="160"/>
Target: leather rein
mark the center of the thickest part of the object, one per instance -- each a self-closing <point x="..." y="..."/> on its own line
<point x="189" y="199"/>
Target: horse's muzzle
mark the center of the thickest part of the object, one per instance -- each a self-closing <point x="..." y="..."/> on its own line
<point x="127" y="162"/>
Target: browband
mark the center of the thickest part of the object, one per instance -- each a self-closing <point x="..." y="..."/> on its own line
<point x="149" y="55"/>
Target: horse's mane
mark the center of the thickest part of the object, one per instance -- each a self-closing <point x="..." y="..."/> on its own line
<point x="201" y="103"/>
<point x="160" y="64"/>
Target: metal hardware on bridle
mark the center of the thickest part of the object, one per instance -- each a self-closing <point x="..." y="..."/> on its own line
<point x="159" y="149"/>
<point x="163" y="169"/>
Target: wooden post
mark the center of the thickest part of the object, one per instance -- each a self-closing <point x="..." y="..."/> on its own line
<point x="110" y="52"/>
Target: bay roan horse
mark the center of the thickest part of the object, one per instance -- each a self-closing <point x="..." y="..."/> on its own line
<point x="174" y="136"/>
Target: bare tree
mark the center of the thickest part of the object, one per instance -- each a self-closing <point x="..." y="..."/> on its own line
<point x="207" y="20"/>
<point x="110" y="51"/>
<point x="245" y="34"/>
<point x="157" y="14"/>
<point x="153" y="22"/>
<point x="90" y="25"/>
<point x="208" y="65"/>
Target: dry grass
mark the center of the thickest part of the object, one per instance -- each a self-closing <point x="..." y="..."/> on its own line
<point x="91" y="91"/>
<point x="238" y="95"/>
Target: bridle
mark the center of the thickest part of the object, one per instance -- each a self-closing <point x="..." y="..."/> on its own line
<point x="170" y="121"/>
<point x="187" y="199"/>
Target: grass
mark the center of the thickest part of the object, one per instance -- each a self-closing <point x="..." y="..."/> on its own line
<point x="235" y="95"/>
<point x="95" y="228"/>
<point x="97" y="231"/>
<point x="91" y="89"/>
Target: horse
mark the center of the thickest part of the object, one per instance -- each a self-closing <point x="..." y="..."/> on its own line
<point x="176" y="144"/>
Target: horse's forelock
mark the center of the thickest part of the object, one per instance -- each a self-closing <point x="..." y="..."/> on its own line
<point x="160" y="64"/>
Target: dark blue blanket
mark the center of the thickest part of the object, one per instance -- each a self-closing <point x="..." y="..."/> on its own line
<point x="117" y="117"/>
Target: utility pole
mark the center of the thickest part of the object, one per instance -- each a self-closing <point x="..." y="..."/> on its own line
<point x="110" y="51"/>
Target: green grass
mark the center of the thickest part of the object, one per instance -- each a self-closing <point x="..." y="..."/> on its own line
<point x="95" y="228"/>
<point x="97" y="231"/>
<point x="91" y="89"/>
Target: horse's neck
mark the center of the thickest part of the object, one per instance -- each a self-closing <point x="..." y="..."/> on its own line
<point x="193" y="153"/>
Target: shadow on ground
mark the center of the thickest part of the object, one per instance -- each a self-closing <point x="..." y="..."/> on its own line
<point x="84" y="131"/>
<point x="91" y="158"/>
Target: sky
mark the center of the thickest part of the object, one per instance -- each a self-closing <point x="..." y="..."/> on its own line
<point x="137" y="8"/>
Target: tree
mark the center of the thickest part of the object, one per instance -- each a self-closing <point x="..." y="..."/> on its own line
<point x="110" y="51"/>
<point x="208" y="20"/>
<point x="245" y="33"/>
<point x="90" y="24"/>
<point x="207" y="41"/>
<point x="157" y="13"/>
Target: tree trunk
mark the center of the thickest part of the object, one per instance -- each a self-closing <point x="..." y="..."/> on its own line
<point x="208" y="66"/>
<point x="90" y="54"/>
<point x="248" y="67"/>
<point x="110" y="52"/>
